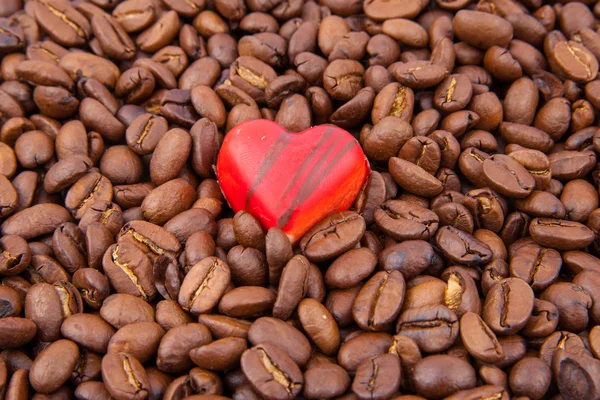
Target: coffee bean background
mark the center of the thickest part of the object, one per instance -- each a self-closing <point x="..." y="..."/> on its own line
<point x="467" y="269"/>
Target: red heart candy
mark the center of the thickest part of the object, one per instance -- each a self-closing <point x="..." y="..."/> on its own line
<point x="290" y="180"/>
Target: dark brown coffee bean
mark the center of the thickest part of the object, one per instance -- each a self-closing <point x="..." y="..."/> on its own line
<point x="565" y="366"/>
<point x="62" y="298"/>
<point x="507" y="176"/>
<point x="350" y="268"/>
<point x="410" y="257"/>
<point x="167" y="200"/>
<point x="479" y="339"/>
<point x="413" y="178"/>
<point x="35" y="221"/>
<point x="468" y="26"/>
<point x="508" y="305"/>
<point x="536" y="265"/>
<point x="318" y="245"/>
<point x="53" y="366"/>
<point x="379" y="301"/>
<point x="272" y="372"/>
<point x="386" y="138"/>
<point x="560" y="234"/>
<point x="462" y="248"/>
<point x="275" y="332"/>
<point x="438" y="376"/>
<point x="92" y="285"/>
<point x="378" y="377"/>
<point x="247" y="301"/>
<point x="406" y="221"/>
<point x="393" y="100"/>
<point x="124" y="376"/>
<point x="62" y="23"/>
<point x="433" y="328"/>
<point x="343" y="79"/>
<point x="220" y="355"/>
<point x="122" y="309"/>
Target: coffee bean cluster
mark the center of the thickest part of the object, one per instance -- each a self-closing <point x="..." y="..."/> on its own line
<point x="467" y="268"/>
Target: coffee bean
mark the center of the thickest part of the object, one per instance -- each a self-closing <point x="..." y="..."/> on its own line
<point x="53" y="366"/>
<point x="379" y="301"/>
<point x="461" y="247"/>
<point x="479" y="339"/>
<point x="498" y="313"/>
<point x="433" y="328"/>
<point x="275" y="332"/>
<point x="336" y="377"/>
<point x="440" y="375"/>
<point x="271" y="371"/>
<point x="560" y="234"/>
<point x="317" y="245"/>
<point x="204" y="285"/>
<point x="123" y="375"/>
<point x="377" y="377"/>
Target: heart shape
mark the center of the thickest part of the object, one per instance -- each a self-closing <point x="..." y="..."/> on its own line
<point x="290" y="180"/>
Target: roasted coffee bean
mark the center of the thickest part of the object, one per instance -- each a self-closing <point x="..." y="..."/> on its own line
<point x="318" y="245"/>
<point x="124" y="376"/>
<point x="433" y="328"/>
<point x="271" y="371"/>
<point x="462" y="248"/>
<point x="414" y="178"/>
<point x="406" y="221"/>
<point x="479" y="339"/>
<point x="498" y="312"/>
<point x="560" y="234"/>
<point x="53" y="366"/>
<point x="379" y="301"/>
<point x="204" y="285"/>
<point x="438" y="376"/>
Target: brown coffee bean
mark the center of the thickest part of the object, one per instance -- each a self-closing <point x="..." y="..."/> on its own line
<point x="317" y="245"/>
<point x="35" y="221"/>
<point x="122" y="309"/>
<point x="499" y="314"/>
<point x="565" y="366"/>
<point x="393" y="100"/>
<point x="124" y="376"/>
<point x="469" y="25"/>
<point x="386" y="138"/>
<point x="343" y="79"/>
<point x="141" y="340"/>
<point x="92" y="285"/>
<point x="275" y="332"/>
<point x="53" y="366"/>
<point x="220" y="355"/>
<point x="247" y="301"/>
<point x="167" y="200"/>
<point x="413" y="178"/>
<point x="350" y="268"/>
<point x="438" y="376"/>
<point x="271" y="371"/>
<point x="410" y="257"/>
<point x="378" y="377"/>
<point x="560" y="234"/>
<point x="379" y="301"/>
<point x="406" y="221"/>
<point x="462" y="248"/>
<point x="479" y="339"/>
<point x="433" y="328"/>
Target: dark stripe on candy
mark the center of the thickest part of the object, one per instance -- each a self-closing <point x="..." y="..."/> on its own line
<point x="272" y="155"/>
<point x="313" y="181"/>
<point x="326" y="135"/>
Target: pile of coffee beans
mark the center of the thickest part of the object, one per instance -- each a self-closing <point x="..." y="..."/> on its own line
<point x="467" y="268"/>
